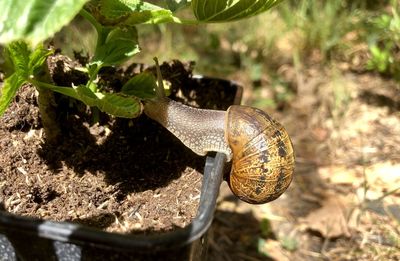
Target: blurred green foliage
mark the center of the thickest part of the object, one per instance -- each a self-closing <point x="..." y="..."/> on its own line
<point x="384" y="42"/>
<point x="266" y="229"/>
<point x="289" y="243"/>
<point x="322" y="24"/>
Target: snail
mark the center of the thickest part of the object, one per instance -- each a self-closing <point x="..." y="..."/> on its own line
<point x="259" y="147"/>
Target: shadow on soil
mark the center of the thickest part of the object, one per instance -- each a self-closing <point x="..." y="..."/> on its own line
<point x="380" y="100"/>
<point x="236" y="236"/>
<point x="137" y="155"/>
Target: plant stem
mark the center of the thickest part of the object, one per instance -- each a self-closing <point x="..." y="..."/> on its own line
<point x="91" y="19"/>
<point x="160" y="92"/>
<point x="186" y="21"/>
<point x="101" y="30"/>
<point x="44" y="85"/>
<point x="93" y="76"/>
<point x="47" y="108"/>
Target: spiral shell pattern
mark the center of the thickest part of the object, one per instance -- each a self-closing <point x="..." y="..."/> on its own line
<point x="263" y="156"/>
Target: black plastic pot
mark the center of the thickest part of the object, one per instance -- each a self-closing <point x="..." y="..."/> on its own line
<point x="24" y="238"/>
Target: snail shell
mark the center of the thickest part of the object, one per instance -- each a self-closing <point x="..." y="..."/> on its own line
<point x="263" y="157"/>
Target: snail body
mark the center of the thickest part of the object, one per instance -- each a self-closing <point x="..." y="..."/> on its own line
<point x="259" y="147"/>
<point x="199" y="129"/>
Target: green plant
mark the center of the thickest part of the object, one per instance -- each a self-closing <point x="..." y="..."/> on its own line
<point x="25" y="24"/>
<point x="384" y="43"/>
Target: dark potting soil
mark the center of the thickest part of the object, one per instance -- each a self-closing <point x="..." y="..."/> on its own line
<point x="122" y="175"/>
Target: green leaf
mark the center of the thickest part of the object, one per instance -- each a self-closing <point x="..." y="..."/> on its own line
<point x="117" y="104"/>
<point x="119" y="8"/>
<point x="35" y="20"/>
<point x="229" y="10"/>
<point x="37" y="58"/>
<point x="25" y="63"/>
<point x="150" y="17"/>
<point x="9" y="89"/>
<point x="142" y="85"/>
<point x="379" y="59"/>
<point x="18" y="53"/>
<point x="132" y="12"/>
<point x="120" y="44"/>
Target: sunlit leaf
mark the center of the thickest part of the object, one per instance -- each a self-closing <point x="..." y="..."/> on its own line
<point x="150" y="17"/>
<point x="24" y="63"/>
<point x="130" y="12"/>
<point x="119" y="8"/>
<point x="37" y="58"/>
<point x="116" y="104"/>
<point x="142" y="85"/>
<point x="35" y="20"/>
<point x="119" y="45"/>
<point x="18" y="53"/>
<point x="229" y="10"/>
<point x="9" y="89"/>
